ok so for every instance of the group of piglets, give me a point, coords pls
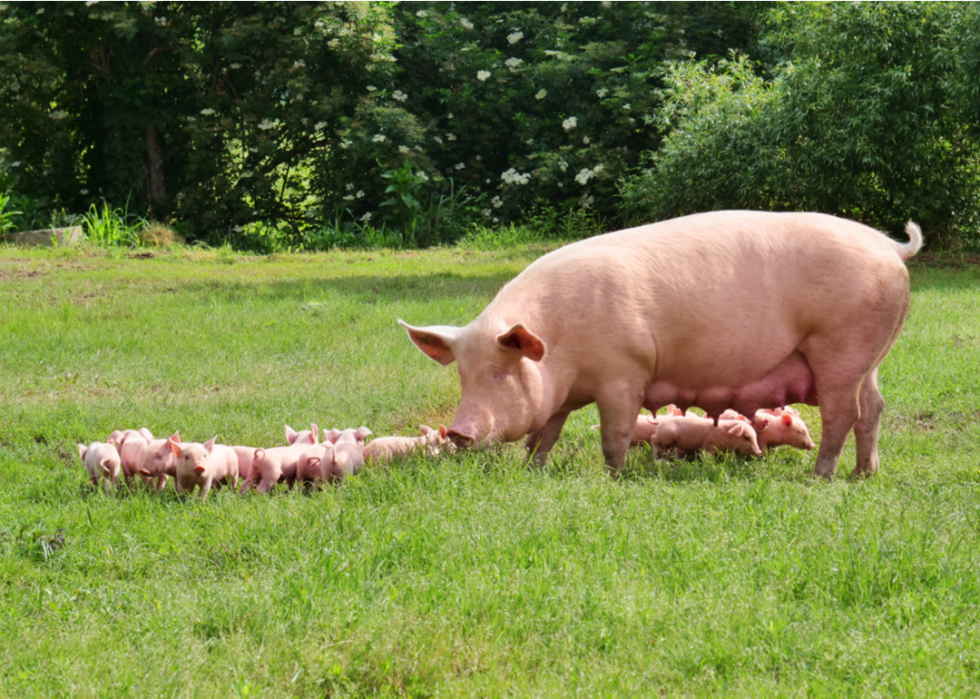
(132, 453)
(686, 433)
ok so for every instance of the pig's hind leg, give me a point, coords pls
(866, 429)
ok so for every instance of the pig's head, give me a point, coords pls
(192, 458)
(305, 437)
(502, 392)
(735, 435)
(797, 435)
(158, 456)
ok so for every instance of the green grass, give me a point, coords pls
(468, 575)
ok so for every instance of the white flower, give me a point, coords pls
(400, 96)
(482, 75)
(465, 23)
(247, 174)
(14, 86)
(421, 13)
(585, 140)
(626, 106)
(450, 137)
(318, 24)
(238, 229)
(569, 123)
(349, 197)
(512, 176)
(460, 166)
(333, 43)
(585, 174)
(371, 88)
(41, 11)
(161, 21)
(345, 144)
(360, 194)
(191, 119)
(562, 165)
(235, 66)
(497, 202)
(513, 62)
(299, 64)
(586, 201)
(515, 37)
(349, 187)
(297, 31)
(541, 94)
(267, 124)
(319, 125)
(437, 139)
(207, 112)
(422, 176)
(598, 168)
(404, 150)
(601, 92)
(378, 138)
(83, 192)
(485, 212)
(449, 116)
(253, 149)
(58, 115)
(366, 217)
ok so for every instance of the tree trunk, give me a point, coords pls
(155, 189)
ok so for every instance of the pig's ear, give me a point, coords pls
(521, 339)
(174, 447)
(82, 449)
(331, 436)
(737, 430)
(436, 340)
(290, 435)
(443, 432)
(144, 472)
(209, 445)
(425, 430)
(361, 433)
(786, 419)
(315, 430)
(175, 437)
(147, 434)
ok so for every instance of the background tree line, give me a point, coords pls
(344, 123)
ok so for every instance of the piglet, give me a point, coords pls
(385, 449)
(275, 465)
(693, 433)
(349, 436)
(646, 425)
(101, 460)
(305, 437)
(158, 462)
(246, 457)
(132, 446)
(203, 465)
(778, 427)
(316, 464)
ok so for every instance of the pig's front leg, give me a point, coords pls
(539, 443)
(204, 488)
(619, 406)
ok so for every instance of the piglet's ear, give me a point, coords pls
(737, 430)
(524, 341)
(174, 447)
(290, 435)
(209, 445)
(786, 419)
(315, 430)
(436, 341)
(82, 450)
(443, 432)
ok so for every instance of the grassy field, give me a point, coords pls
(465, 575)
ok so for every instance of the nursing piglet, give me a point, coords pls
(778, 427)
(692, 433)
(101, 460)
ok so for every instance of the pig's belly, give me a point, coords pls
(790, 382)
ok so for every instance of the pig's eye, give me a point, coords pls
(498, 374)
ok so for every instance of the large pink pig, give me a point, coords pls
(692, 433)
(203, 466)
(101, 460)
(789, 308)
(158, 462)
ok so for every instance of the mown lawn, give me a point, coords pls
(466, 575)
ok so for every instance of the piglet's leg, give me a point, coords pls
(539, 443)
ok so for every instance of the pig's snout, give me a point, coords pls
(460, 440)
